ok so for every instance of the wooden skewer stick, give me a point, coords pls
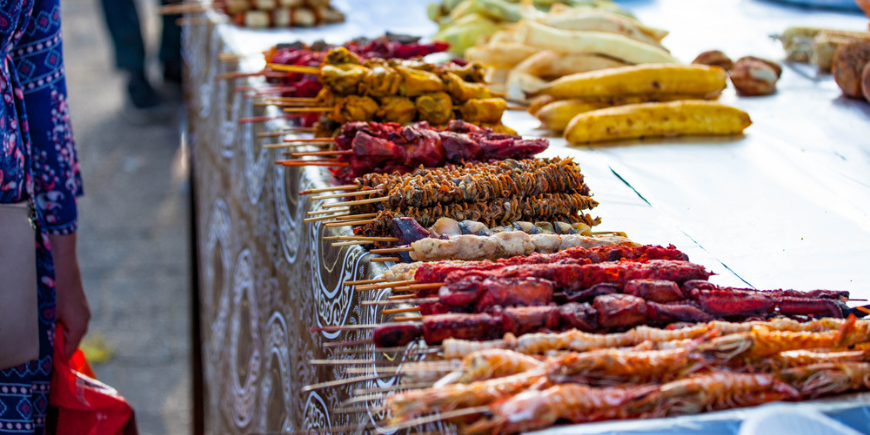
(311, 139)
(266, 118)
(330, 189)
(340, 382)
(349, 223)
(364, 281)
(363, 399)
(392, 250)
(431, 366)
(355, 410)
(426, 286)
(241, 75)
(297, 99)
(337, 328)
(402, 310)
(394, 371)
(376, 350)
(326, 153)
(270, 102)
(408, 319)
(402, 289)
(294, 68)
(438, 417)
(285, 132)
(401, 297)
(357, 202)
(333, 210)
(307, 109)
(353, 362)
(312, 163)
(317, 219)
(344, 344)
(351, 428)
(353, 243)
(359, 216)
(289, 145)
(369, 238)
(384, 259)
(384, 285)
(364, 391)
(260, 90)
(403, 301)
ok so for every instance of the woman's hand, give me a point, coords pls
(72, 310)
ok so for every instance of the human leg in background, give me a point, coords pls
(122, 19)
(170, 48)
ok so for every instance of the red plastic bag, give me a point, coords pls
(84, 405)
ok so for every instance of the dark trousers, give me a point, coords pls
(125, 30)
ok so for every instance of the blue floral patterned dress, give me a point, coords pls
(38, 160)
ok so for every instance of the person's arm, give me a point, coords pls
(72, 309)
(38, 57)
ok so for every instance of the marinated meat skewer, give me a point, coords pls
(422, 272)
(607, 312)
(371, 147)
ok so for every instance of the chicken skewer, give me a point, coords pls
(400, 91)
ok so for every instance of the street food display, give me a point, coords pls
(505, 309)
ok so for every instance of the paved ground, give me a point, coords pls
(133, 229)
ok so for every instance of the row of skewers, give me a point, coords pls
(493, 324)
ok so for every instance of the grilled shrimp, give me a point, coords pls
(800, 358)
(540, 409)
(495, 363)
(606, 366)
(829, 378)
(763, 342)
(417, 372)
(412, 403)
(709, 392)
(453, 348)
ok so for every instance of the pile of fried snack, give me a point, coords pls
(259, 14)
